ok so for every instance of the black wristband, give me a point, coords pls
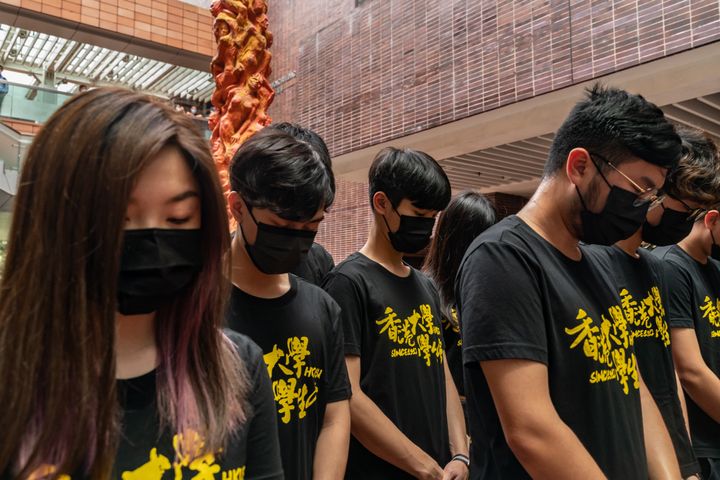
(461, 458)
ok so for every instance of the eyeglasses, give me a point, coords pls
(694, 213)
(653, 196)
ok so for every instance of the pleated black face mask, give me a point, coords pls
(618, 220)
(673, 227)
(278, 249)
(156, 265)
(412, 235)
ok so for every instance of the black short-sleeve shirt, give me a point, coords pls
(639, 282)
(393, 324)
(316, 265)
(301, 338)
(453, 349)
(694, 302)
(520, 298)
(253, 452)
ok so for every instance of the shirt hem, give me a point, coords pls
(504, 351)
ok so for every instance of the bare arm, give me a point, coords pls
(697, 379)
(456, 428)
(379, 434)
(662, 460)
(683, 404)
(331, 450)
(545, 446)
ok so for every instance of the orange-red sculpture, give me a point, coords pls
(241, 69)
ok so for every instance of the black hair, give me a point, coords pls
(406, 173)
(276, 171)
(615, 124)
(466, 216)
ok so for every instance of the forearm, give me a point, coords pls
(456, 419)
(378, 433)
(703, 386)
(683, 403)
(331, 450)
(662, 460)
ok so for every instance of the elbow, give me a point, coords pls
(524, 442)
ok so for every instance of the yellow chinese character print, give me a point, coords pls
(711, 311)
(306, 401)
(272, 358)
(298, 351)
(46, 471)
(620, 328)
(629, 306)
(661, 331)
(285, 394)
(585, 331)
(657, 301)
(389, 324)
(427, 317)
(205, 466)
(153, 469)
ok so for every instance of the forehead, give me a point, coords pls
(644, 173)
(168, 174)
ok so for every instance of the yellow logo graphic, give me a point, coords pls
(647, 316)
(607, 344)
(711, 311)
(417, 335)
(448, 325)
(294, 382)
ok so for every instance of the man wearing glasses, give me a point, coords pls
(552, 382)
(639, 280)
(693, 302)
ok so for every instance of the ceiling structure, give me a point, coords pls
(521, 163)
(81, 63)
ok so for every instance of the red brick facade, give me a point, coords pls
(388, 68)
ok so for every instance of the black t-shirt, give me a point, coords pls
(694, 302)
(253, 452)
(521, 298)
(639, 282)
(393, 324)
(301, 338)
(317, 264)
(453, 350)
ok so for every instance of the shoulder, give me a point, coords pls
(314, 296)
(248, 351)
(353, 269)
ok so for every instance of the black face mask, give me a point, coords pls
(618, 220)
(715, 249)
(412, 235)
(277, 249)
(673, 227)
(156, 265)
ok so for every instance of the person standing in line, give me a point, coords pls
(281, 188)
(693, 310)
(466, 216)
(407, 420)
(117, 367)
(553, 389)
(692, 186)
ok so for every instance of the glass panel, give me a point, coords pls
(29, 103)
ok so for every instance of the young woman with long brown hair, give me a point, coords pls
(113, 292)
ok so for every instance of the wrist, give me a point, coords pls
(461, 458)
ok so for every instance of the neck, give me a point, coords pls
(632, 244)
(547, 213)
(697, 245)
(379, 249)
(246, 276)
(135, 347)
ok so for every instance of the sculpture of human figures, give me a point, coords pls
(241, 68)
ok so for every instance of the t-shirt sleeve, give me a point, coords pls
(337, 376)
(347, 295)
(325, 264)
(679, 295)
(499, 306)
(263, 448)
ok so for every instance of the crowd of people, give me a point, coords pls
(577, 339)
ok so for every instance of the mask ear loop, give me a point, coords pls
(242, 230)
(385, 219)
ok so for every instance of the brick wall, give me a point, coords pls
(391, 67)
(166, 22)
(346, 227)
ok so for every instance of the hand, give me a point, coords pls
(455, 471)
(428, 469)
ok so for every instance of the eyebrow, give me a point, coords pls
(648, 182)
(318, 219)
(183, 196)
